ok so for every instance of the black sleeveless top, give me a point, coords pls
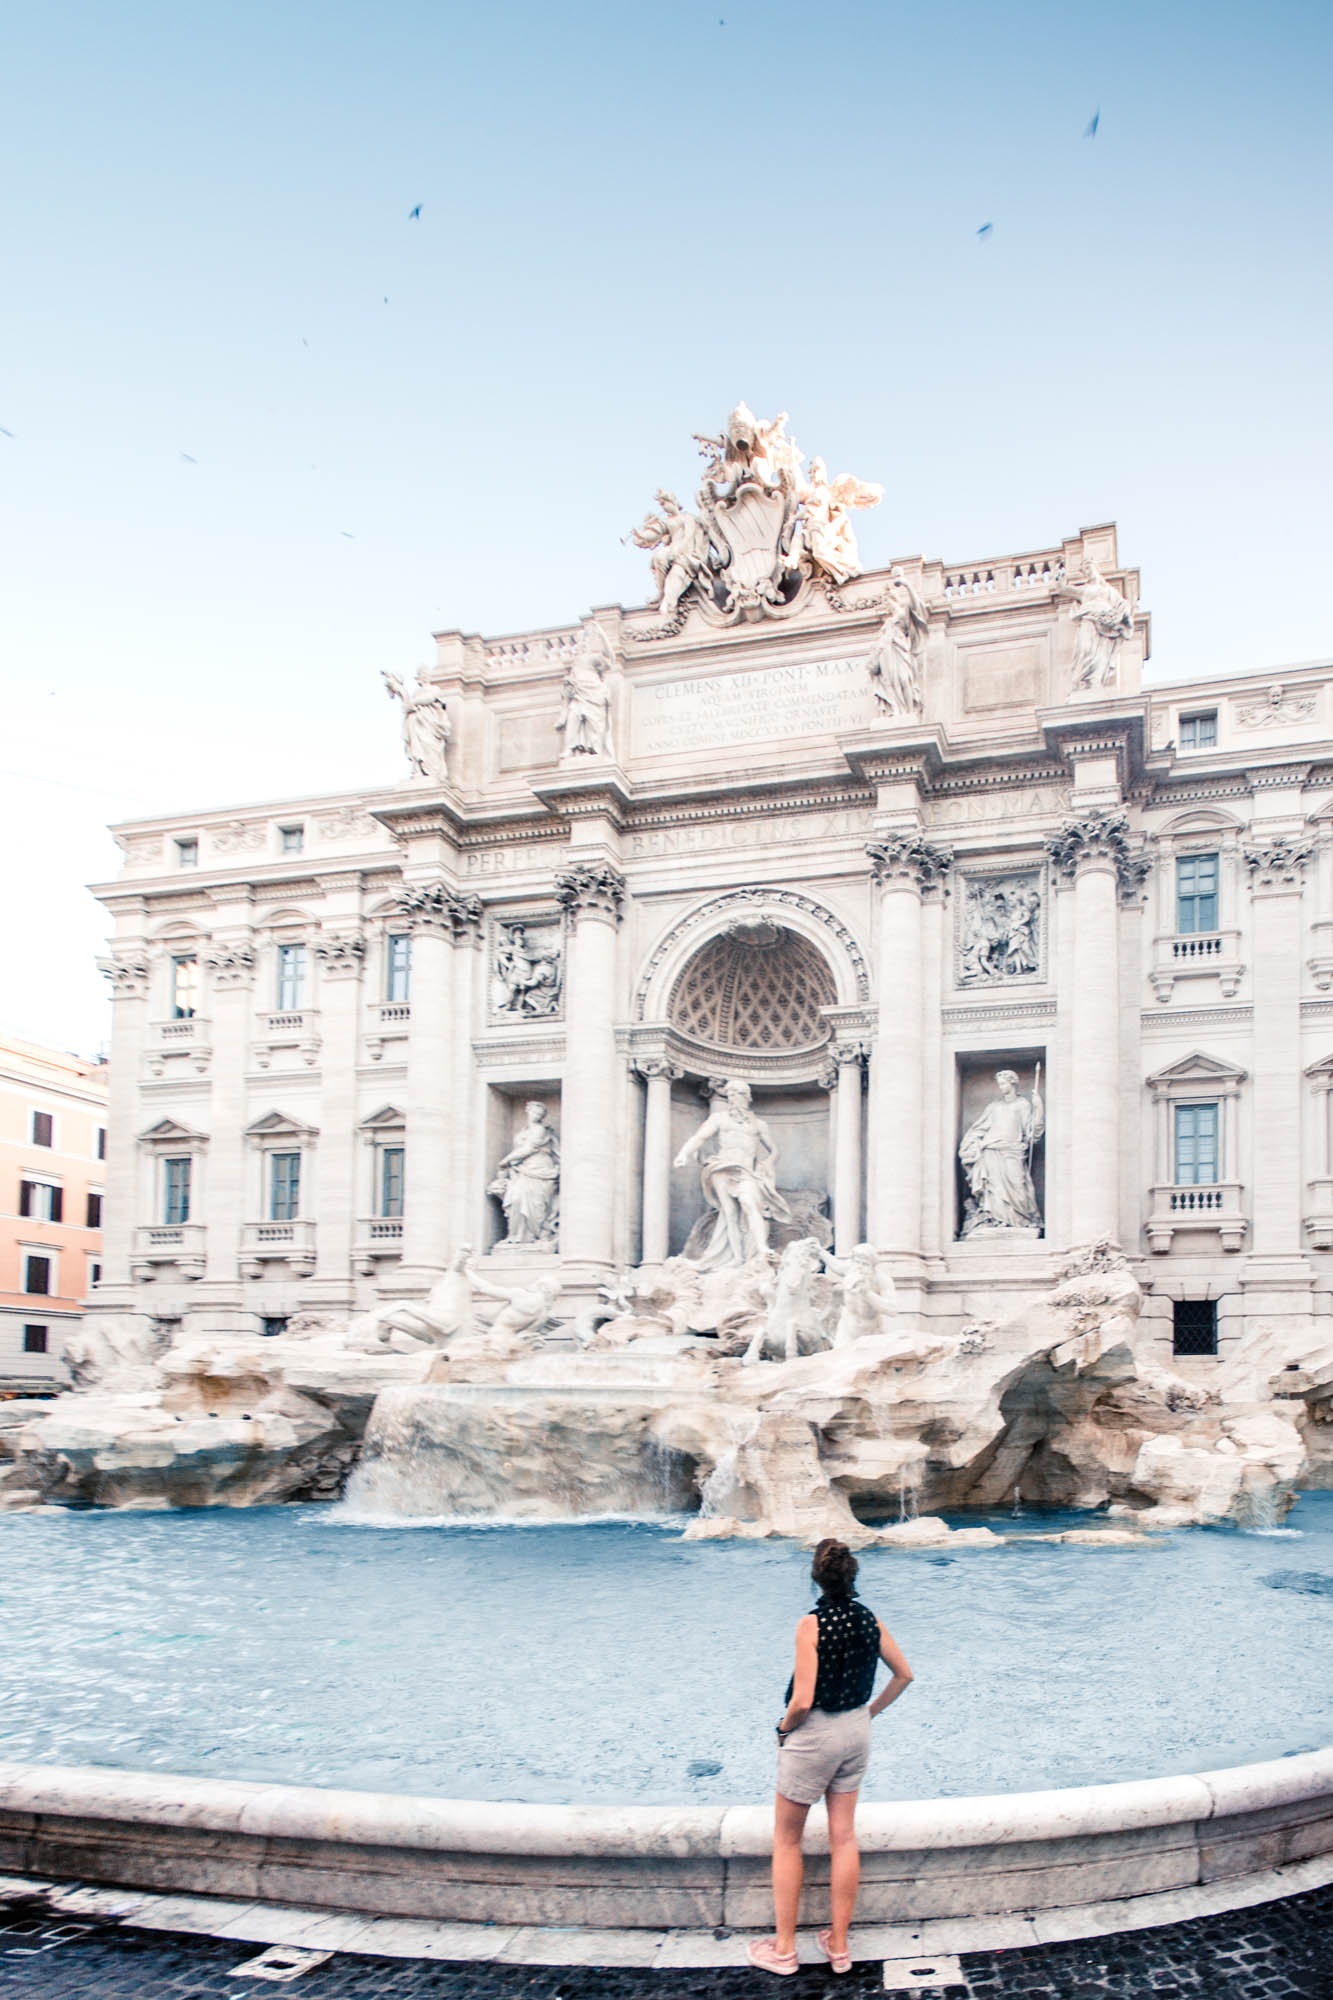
(848, 1655)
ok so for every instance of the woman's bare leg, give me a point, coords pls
(788, 1868)
(844, 1864)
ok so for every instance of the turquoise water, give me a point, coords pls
(599, 1663)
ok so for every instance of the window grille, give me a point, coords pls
(187, 853)
(1194, 1326)
(274, 1328)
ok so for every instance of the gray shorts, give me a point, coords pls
(828, 1753)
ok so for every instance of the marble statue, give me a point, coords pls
(585, 706)
(826, 526)
(895, 662)
(527, 1181)
(405, 1328)
(524, 1309)
(999, 935)
(868, 1301)
(679, 545)
(793, 1324)
(1104, 618)
(529, 972)
(737, 1179)
(996, 1155)
(426, 728)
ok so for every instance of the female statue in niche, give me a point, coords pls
(737, 1179)
(996, 1155)
(527, 1181)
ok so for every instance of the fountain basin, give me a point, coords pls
(629, 1867)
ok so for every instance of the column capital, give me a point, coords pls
(1097, 838)
(231, 964)
(843, 1053)
(1276, 863)
(340, 953)
(435, 908)
(903, 858)
(590, 888)
(650, 1067)
(128, 972)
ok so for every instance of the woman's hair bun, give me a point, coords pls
(834, 1568)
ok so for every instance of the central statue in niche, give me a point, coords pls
(738, 1179)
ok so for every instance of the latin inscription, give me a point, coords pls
(817, 698)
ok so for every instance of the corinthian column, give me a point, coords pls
(436, 917)
(1093, 850)
(1276, 867)
(591, 894)
(846, 1133)
(128, 971)
(340, 953)
(904, 867)
(659, 1076)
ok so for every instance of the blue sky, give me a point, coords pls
(269, 433)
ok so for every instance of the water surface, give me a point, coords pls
(599, 1662)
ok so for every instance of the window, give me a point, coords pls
(187, 853)
(1199, 732)
(1196, 1145)
(1196, 893)
(291, 978)
(34, 1340)
(37, 1275)
(291, 839)
(398, 960)
(175, 1191)
(273, 1328)
(93, 1217)
(184, 987)
(1194, 1326)
(284, 1187)
(94, 1274)
(391, 1180)
(41, 1200)
(43, 1128)
(101, 1142)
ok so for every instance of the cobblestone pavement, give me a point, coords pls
(1279, 1951)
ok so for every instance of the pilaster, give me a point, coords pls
(591, 892)
(1276, 1273)
(339, 949)
(230, 964)
(127, 968)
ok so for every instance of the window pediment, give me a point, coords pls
(168, 1132)
(1198, 1072)
(388, 1118)
(280, 1125)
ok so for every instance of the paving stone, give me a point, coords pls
(1282, 1951)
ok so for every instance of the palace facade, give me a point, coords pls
(863, 845)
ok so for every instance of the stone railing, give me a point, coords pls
(669, 1867)
(159, 1243)
(190, 1039)
(377, 1237)
(1210, 1205)
(266, 1242)
(1189, 955)
(296, 1028)
(533, 651)
(1004, 576)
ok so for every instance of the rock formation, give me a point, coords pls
(655, 1409)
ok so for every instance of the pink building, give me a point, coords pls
(52, 1163)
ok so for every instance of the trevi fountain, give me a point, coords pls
(743, 1086)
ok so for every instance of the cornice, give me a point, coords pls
(993, 1013)
(1193, 1020)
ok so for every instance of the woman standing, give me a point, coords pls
(823, 1750)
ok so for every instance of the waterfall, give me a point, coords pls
(1017, 1508)
(906, 1497)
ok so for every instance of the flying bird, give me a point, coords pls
(1096, 120)
(346, 537)
(5, 433)
(985, 229)
(188, 460)
(414, 214)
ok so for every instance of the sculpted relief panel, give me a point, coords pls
(1001, 929)
(527, 969)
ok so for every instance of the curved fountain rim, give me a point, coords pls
(392, 1819)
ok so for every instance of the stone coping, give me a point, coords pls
(649, 1867)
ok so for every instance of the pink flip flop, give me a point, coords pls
(839, 1961)
(764, 1953)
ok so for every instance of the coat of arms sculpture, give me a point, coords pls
(763, 532)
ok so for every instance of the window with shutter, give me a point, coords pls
(56, 1204)
(37, 1276)
(94, 1220)
(27, 1197)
